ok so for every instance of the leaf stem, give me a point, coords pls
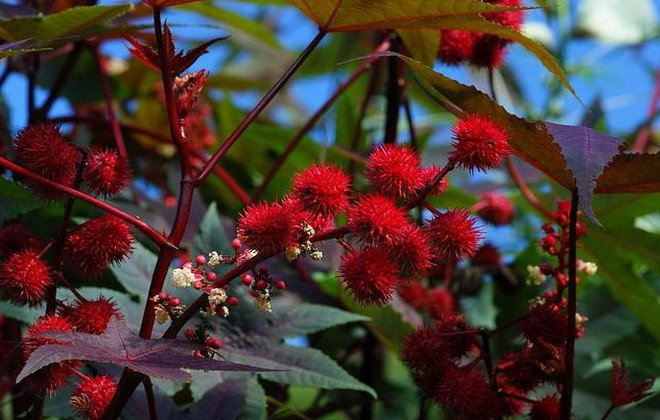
(394, 90)
(567, 384)
(311, 122)
(130, 219)
(529, 195)
(151, 401)
(259, 107)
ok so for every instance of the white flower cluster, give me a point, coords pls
(588, 268)
(534, 275)
(182, 277)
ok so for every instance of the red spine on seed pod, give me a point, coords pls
(496, 209)
(322, 189)
(454, 235)
(548, 408)
(479, 143)
(14, 236)
(375, 218)
(456, 46)
(267, 227)
(464, 392)
(92, 317)
(105, 172)
(394, 171)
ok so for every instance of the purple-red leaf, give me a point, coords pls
(586, 153)
(182, 61)
(159, 358)
(144, 53)
(623, 392)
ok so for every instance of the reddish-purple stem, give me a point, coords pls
(256, 111)
(145, 228)
(567, 383)
(297, 138)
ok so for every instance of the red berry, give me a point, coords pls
(267, 227)
(247, 279)
(322, 189)
(454, 235)
(190, 334)
(280, 284)
(25, 277)
(175, 301)
(40, 148)
(232, 301)
(200, 260)
(163, 295)
(375, 218)
(261, 284)
(198, 284)
(105, 172)
(96, 244)
(93, 395)
(92, 317)
(496, 209)
(394, 171)
(213, 343)
(479, 143)
(236, 244)
(211, 276)
(369, 274)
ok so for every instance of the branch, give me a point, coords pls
(61, 80)
(130, 219)
(567, 384)
(297, 138)
(261, 105)
(529, 195)
(394, 89)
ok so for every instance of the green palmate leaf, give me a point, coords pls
(212, 235)
(423, 44)
(16, 200)
(17, 47)
(135, 272)
(355, 15)
(533, 143)
(295, 366)
(60, 28)
(240, 397)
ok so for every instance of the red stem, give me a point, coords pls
(567, 384)
(297, 138)
(225, 177)
(529, 195)
(419, 198)
(132, 220)
(256, 111)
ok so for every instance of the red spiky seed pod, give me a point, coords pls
(96, 244)
(413, 293)
(424, 351)
(513, 18)
(267, 227)
(14, 236)
(464, 392)
(375, 218)
(479, 143)
(487, 255)
(105, 172)
(456, 46)
(93, 395)
(394, 171)
(548, 408)
(412, 252)
(439, 303)
(40, 148)
(454, 235)
(53, 376)
(488, 50)
(322, 189)
(92, 316)
(545, 324)
(429, 175)
(521, 369)
(25, 277)
(370, 275)
(496, 209)
(458, 345)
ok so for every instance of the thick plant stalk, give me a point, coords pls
(567, 383)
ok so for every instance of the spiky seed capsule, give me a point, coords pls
(464, 392)
(14, 236)
(454, 235)
(370, 275)
(25, 277)
(479, 143)
(394, 171)
(375, 218)
(40, 148)
(267, 227)
(496, 209)
(96, 244)
(429, 175)
(456, 46)
(105, 172)
(53, 376)
(92, 317)
(322, 189)
(93, 395)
